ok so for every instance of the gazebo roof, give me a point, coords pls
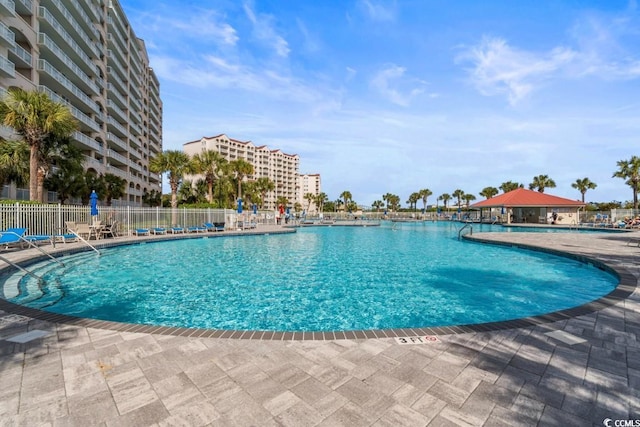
(522, 197)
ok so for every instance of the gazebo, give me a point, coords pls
(528, 206)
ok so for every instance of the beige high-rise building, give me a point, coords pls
(309, 184)
(280, 167)
(84, 53)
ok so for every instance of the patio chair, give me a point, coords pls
(176, 230)
(110, 230)
(158, 230)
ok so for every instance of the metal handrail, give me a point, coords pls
(84, 241)
(462, 229)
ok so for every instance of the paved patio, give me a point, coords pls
(586, 373)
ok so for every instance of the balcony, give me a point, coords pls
(23, 58)
(7, 68)
(114, 124)
(79, 115)
(118, 158)
(63, 81)
(46, 17)
(7, 8)
(90, 162)
(24, 7)
(112, 77)
(114, 140)
(115, 95)
(118, 172)
(79, 75)
(87, 142)
(7, 38)
(60, 36)
(84, 18)
(114, 110)
(72, 22)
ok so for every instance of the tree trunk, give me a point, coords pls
(33, 173)
(41, 175)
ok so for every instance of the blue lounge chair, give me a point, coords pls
(218, 226)
(38, 238)
(158, 230)
(12, 236)
(176, 230)
(141, 231)
(196, 229)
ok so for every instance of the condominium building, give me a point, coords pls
(309, 184)
(280, 167)
(84, 54)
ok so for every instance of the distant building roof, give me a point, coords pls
(522, 197)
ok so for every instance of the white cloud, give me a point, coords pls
(500, 69)
(265, 33)
(377, 11)
(387, 80)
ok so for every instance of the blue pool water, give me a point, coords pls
(329, 278)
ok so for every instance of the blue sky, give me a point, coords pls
(396, 96)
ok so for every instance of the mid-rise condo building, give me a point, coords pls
(84, 53)
(309, 184)
(280, 167)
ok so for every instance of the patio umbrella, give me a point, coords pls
(93, 202)
(239, 206)
(255, 209)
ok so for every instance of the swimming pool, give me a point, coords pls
(317, 279)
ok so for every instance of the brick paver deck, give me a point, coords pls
(81, 375)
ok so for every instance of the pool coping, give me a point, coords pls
(626, 286)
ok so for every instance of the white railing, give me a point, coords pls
(50, 219)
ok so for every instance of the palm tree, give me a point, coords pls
(413, 200)
(424, 194)
(630, 170)
(35, 117)
(14, 162)
(377, 204)
(320, 200)
(541, 182)
(240, 168)
(489, 192)
(582, 185)
(114, 187)
(510, 186)
(264, 185)
(346, 196)
(468, 198)
(210, 164)
(445, 197)
(458, 194)
(177, 164)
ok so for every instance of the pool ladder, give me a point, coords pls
(469, 226)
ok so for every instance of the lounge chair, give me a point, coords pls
(210, 226)
(38, 238)
(141, 232)
(12, 237)
(176, 230)
(158, 230)
(196, 229)
(65, 238)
